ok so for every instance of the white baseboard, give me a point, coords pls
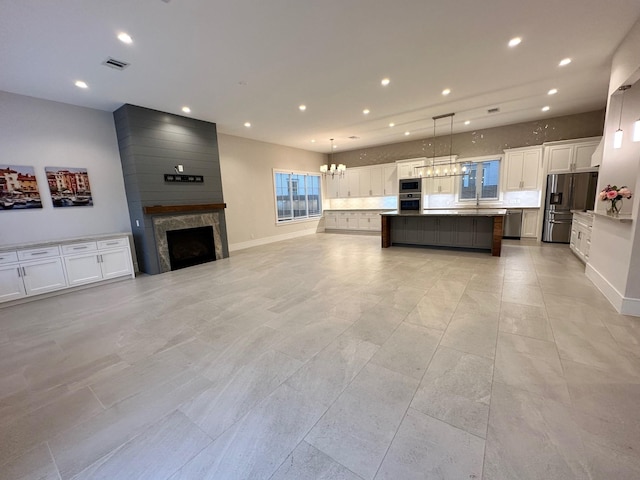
(234, 247)
(622, 304)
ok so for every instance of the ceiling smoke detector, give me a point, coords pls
(493, 110)
(117, 64)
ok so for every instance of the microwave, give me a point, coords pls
(410, 185)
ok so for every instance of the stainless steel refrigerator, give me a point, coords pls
(566, 192)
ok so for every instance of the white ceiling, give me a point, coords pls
(234, 61)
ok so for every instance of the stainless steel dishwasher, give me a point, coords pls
(512, 223)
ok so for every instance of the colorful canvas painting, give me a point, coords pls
(69, 187)
(18, 188)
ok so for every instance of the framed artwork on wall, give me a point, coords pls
(18, 188)
(69, 186)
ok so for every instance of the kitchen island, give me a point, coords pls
(470, 228)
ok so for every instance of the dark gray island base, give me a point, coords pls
(464, 228)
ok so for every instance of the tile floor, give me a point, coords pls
(327, 357)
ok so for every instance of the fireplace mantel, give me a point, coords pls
(159, 209)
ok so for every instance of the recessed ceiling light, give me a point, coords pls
(546, 108)
(385, 81)
(446, 91)
(407, 133)
(553, 91)
(186, 109)
(515, 41)
(313, 141)
(335, 146)
(467, 122)
(565, 61)
(392, 124)
(125, 38)
(81, 84)
(247, 124)
(302, 108)
(366, 111)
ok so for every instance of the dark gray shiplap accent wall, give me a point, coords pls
(151, 143)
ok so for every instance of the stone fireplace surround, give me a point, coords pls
(164, 223)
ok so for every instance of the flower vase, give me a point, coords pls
(614, 210)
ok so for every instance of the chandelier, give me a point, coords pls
(438, 167)
(331, 168)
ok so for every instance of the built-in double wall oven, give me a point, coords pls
(410, 195)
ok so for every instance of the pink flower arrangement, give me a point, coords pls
(614, 195)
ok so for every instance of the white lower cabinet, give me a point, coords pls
(580, 242)
(530, 223)
(353, 220)
(11, 284)
(35, 271)
(31, 278)
(115, 263)
(83, 269)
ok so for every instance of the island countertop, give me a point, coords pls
(471, 228)
(459, 212)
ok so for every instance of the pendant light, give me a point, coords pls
(331, 168)
(617, 137)
(444, 169)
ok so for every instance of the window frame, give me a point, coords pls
(479, 186)
(293, 219)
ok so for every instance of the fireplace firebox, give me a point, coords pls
(190, 246)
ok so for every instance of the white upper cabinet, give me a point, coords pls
(333, 186)
(350, 184)
(522, 168)
(371, 181)
(436, 185)
(408, 168)
(570, 156)
(390, 176)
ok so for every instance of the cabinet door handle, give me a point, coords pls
(24, 272)
(112, 243)
(19, 274)
(80, 248)
(38, 253)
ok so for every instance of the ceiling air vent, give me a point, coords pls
(493, 110)
(117, 64)
(353, 137)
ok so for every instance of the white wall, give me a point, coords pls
(614, 258)
(41, 133)
(247, 183)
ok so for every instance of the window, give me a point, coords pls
(480, 181)
(297, 196)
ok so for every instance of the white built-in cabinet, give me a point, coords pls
(100, 260)
(33, 271)
(439, 185)
(530, 219)
(30, 272)
(350, 184)
(580, 241)
(363, 220)
(358, 182)
(390, 177)
(522, 167)
(570, 155)
(409, 168)
(372, 181)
